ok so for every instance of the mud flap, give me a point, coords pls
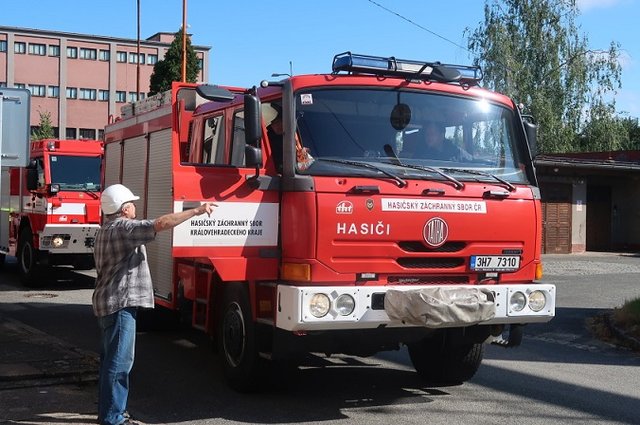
(439, 307)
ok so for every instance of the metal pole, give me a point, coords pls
(184, 41)
(138, 55)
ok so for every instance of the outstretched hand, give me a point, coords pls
(206, 207)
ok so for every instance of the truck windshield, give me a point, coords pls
(409, 134)
(75, 173)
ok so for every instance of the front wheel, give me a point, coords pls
(237, 340)
(437, 360)
(28, 267)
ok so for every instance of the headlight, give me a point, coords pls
(537, 300)
(57, 241)
(345, 304)
(319, 305)
(518, 301)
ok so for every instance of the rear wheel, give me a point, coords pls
(437, 360)
(237, 346)
(28, 267)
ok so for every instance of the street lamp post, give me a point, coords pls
(184, 41)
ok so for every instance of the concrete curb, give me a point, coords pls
(29, 357)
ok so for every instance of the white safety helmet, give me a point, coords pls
(114, 196)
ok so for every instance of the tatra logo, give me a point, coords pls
(369, 204)
(435, 232)
(344, 207)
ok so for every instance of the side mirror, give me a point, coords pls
(253, 158)
(531, 131)
(54, 188)
(252, 120)
(32, 178)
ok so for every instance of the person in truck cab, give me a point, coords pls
(275, 132)
(123, 284)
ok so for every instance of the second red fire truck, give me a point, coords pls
(54, 207)
(338, 229)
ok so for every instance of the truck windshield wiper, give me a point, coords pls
(482, 173)
(396, 161)
(400, 182)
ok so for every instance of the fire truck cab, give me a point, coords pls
(342, 229)
(54, 207)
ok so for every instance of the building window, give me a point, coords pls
(133, 57)
(3, 84)
(103, 95)
(100, 134)
(72, 52)
(20, 47)
(142, 59)
(121, 96)
(70, 133)
(37, 49)
(3, 45)
(87, 133)
(54, 50)
(133, 97)
(88, 94)
(121, 56)
(19, 86)
(89, 54)
(200, 64)
(152, 59)
(72, 93)
(53, 91)
(104, 55)
(37, 90)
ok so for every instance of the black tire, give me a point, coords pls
(2, 258)
(28, 267)
(437, 361)
(239, 357)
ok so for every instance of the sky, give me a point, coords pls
(251, 39)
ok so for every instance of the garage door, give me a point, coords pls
(556, 218)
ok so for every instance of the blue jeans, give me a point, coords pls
(116, 360)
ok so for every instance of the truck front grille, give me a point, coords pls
(430, 263)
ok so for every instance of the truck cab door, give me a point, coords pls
(244, 225)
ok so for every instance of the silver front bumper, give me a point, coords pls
(293, 313)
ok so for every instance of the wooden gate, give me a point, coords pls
(556, 218)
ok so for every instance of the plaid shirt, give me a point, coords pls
(124, 279)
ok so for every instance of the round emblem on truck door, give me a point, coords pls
(435, 232)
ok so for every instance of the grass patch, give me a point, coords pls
(627, 317)
(620, 327)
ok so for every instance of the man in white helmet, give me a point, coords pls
(123, 285)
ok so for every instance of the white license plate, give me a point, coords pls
(495, 263)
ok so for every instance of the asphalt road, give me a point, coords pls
(559, 374)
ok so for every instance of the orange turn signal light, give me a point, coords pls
(296, 271)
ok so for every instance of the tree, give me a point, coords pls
(533, 51)
(169, 69)
(45, 128)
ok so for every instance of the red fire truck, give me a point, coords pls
(342, 233)
(54, 207)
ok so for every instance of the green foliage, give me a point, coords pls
(533, 51)
(169, 69)
(45, 127)
(604, 131)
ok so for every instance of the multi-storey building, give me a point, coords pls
(81, 80)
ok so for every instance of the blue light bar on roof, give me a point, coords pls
(434, 71)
